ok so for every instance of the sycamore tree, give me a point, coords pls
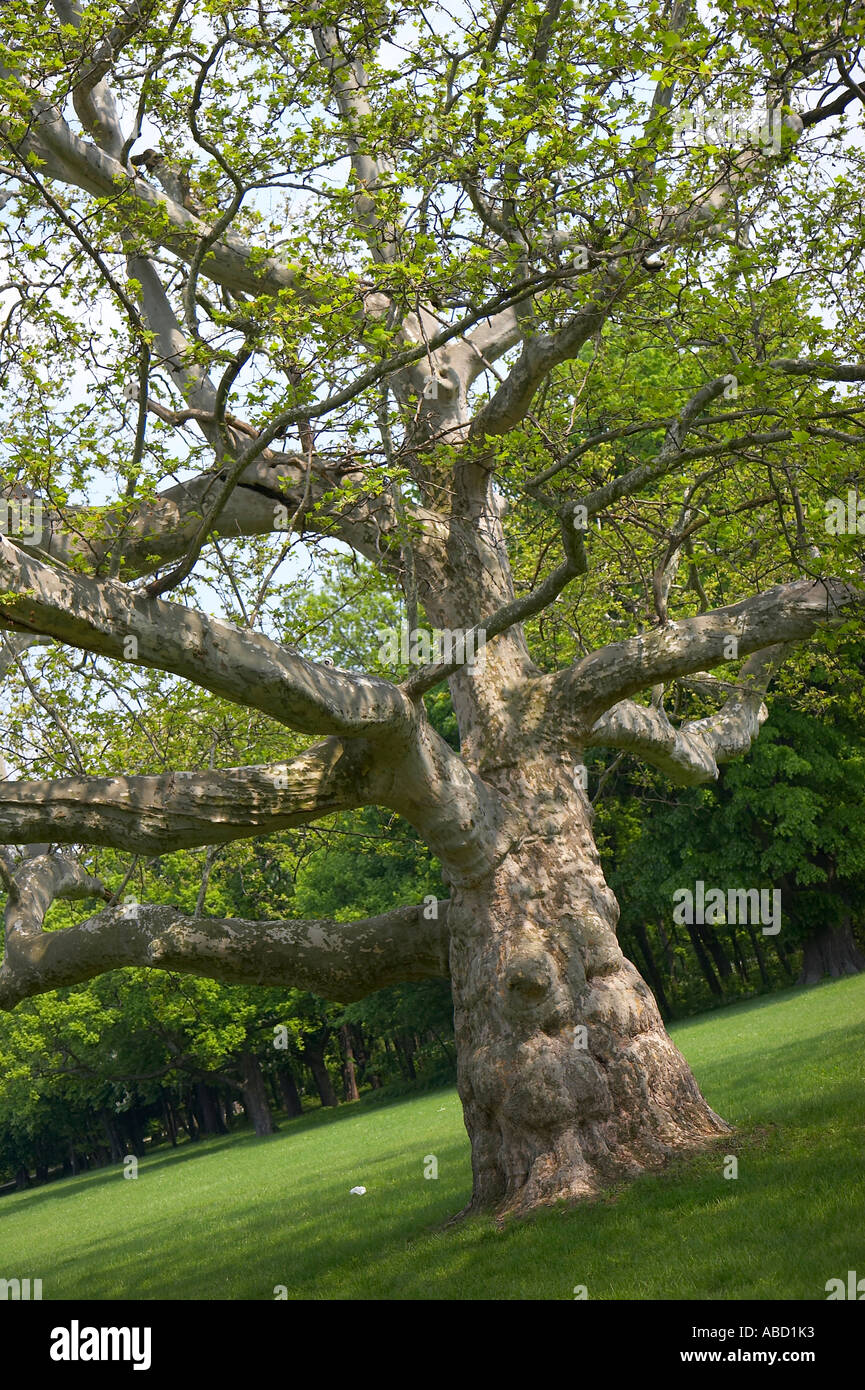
(549, 312)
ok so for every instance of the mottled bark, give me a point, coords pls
(340, 960)
(103, 616)
(567, 1076)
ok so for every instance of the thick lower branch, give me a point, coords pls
(244, 667)
(692, 753)
(342, 961)
(788, 613)
(273, 491)
(32, 890)
(183, 810)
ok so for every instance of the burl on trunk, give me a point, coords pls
(568, 1078)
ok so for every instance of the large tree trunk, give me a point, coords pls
(349, 1078)
(313, 1055)
(210, 1118)
(113, 1136)
(254, 1093)
(568, 1079)
(288, 1091)
(831, 951)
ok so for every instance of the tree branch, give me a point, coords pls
(144, 536)
(541, 353)
(691, 754)
(183, 810)
(787, 613)
(348, 81)
(34, 887)
(230, 262)
(339, 960)
(824, 371)
(490, 340)
(91, 96)
(247, 668)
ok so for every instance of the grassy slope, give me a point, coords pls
(233, 1217)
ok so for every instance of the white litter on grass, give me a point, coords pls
(358, 1191)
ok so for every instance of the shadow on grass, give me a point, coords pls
(326, 1117)
(789, 1065)
(722, 1012)
(757, 1221)
(295, 1244)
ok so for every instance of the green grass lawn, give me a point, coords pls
(232, 1218)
